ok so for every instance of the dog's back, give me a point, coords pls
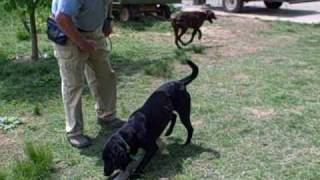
(190, 19)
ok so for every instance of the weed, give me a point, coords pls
(37, 165)
(198, 49)
(160, 68)
(182, 55)
(3, 175)
(36, 110)
(22, 35)
(7, 124)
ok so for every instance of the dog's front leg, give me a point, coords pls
(192, 36)
(176, 35)
(150, 152)
(183, 31)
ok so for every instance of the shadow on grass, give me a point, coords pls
(162, 165)
(29, 82)
(144, 23)
(173, 163)
(124, 67)
(97, 144)
(38, 82)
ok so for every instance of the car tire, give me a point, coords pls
(125, 13)
(164, 12)
(232, 5)
(272, 5)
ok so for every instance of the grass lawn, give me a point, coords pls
(255, 104)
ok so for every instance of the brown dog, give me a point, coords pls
(190, 19)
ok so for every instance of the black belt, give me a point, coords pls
(81, 30)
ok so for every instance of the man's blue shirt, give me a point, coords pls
(87, 15)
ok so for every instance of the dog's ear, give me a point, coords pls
(108, 159)
(122, 157)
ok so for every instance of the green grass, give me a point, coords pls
(37, 164)
(255, 117)
(3, 175)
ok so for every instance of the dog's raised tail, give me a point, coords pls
(193, 75)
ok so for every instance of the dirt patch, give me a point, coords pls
(197, 123)
(227, 37)
(259, 112)
(241, 77)
(10, 147)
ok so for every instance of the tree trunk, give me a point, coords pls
(34, 38)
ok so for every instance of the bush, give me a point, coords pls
(3, 175)
(22, 35)
(181, 55)
(159, 68)
(198, 49)
(36, 166)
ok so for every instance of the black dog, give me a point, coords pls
(190, 19)
(147, 123)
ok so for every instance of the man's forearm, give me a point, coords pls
(66, 24)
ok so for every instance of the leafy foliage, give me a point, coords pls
(37, 165)
(24, 5)
(26, 9)
(9, 123)
(3, 174)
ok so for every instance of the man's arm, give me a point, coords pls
(107, 27)
(66, 24)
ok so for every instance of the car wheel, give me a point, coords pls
(164, 12)
(125, 14)
(232, 5)
(272, 5)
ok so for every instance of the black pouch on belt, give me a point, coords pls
(54, 33)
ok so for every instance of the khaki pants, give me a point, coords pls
(75, 66)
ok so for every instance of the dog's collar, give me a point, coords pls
(124, 142)
(134, 157)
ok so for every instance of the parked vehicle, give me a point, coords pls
(236, 5)
(127, 9)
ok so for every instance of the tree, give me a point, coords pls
(27, 8)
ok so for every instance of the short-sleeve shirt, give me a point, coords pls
(87, 15)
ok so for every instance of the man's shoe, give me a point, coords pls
(114, 123)
(79, 141)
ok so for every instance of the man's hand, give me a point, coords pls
(88, 45)
(107, 31)
(66, 24)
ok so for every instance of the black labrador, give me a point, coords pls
(190, 19)
(147, 123)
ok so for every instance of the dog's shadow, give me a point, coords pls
(168, 162)
(171, 160)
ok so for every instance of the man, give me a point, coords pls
(85, 56)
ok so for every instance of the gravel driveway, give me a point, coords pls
(301, 13)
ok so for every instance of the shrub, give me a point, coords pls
(3, 175)
(22, 35)
(181, 55)
(198, 49)
(36, 166)
(159, 68)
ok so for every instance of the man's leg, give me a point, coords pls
(102, 82)
(71, 64)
